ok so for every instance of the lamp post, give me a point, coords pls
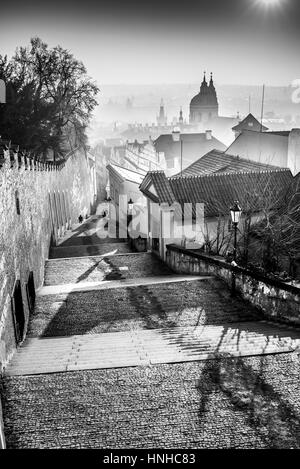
(235, 212)
(108, 201)
(129, 216)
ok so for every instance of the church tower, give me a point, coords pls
(204, 106)
(180, 121)
(162, 118)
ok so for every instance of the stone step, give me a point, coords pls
(89, 250)
(65, 289)
(138, 304)
(158, 344)
(102, 268)
(146, 347)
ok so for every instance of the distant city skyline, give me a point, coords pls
(240, 41)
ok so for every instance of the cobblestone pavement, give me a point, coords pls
(229, 403)
(150, 306)
(96, 269)
(92, 231)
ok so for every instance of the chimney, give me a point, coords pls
(293, 161)
(176, 134)
(208, 134)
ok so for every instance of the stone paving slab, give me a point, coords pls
(62, 252)
(149, 347)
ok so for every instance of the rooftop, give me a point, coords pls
(127, 174)
(270, 147)
(218, 191)
(194, 145)
(249, 123)
(220, 162)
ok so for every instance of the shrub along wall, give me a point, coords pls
(38, 202)
(274, 298)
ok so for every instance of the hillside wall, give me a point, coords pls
(38, 203)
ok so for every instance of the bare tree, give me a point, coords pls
(269, 230)
(273, 232)
(50, 98)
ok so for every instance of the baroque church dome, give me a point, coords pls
(204, 106)
(207, 96)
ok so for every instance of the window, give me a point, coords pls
(17, 202)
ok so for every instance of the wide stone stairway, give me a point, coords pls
(103, 307)
(123, 309)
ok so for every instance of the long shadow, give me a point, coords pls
(78, 231)
(111, 268)
(110, 272)
(272, 418)
(146, 302)
(142, 306)
(89, 271)
(82, 236)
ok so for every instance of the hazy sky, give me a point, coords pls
(241, 41)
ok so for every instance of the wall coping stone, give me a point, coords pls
(17, 158)
(221, 262)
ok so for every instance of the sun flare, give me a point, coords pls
(269, 3)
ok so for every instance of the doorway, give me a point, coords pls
(18, 311)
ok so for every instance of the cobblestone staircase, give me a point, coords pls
(122, 353)
(92, 303)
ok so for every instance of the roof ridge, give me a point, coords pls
(127, 169)
(156, 171)
(277, 170)
(241, 158)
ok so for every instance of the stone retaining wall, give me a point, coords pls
(38, 202)
(275, 299)
(2, 436)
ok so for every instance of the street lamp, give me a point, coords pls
(235, 212)
(130, 206)
(129, 218)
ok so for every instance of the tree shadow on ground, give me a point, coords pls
(108, 269)
(273, 419)
(144, 306)
(90, 232)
